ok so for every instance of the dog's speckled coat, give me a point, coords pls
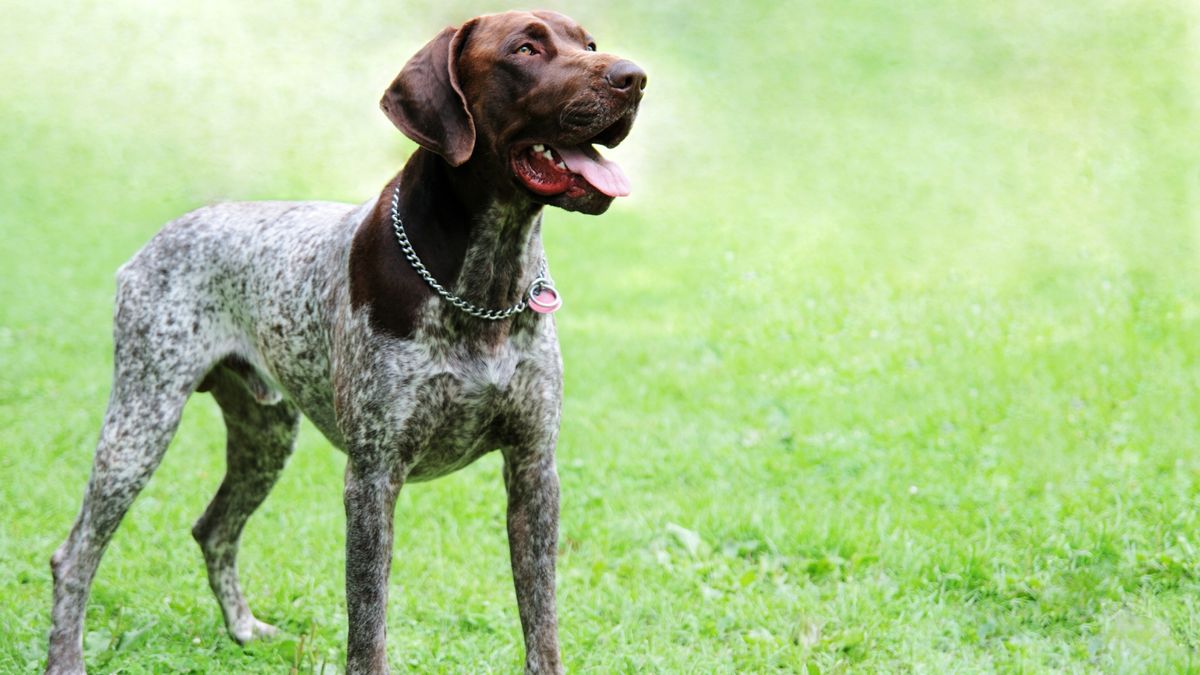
(282, 309)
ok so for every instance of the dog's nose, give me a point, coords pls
(626, 76)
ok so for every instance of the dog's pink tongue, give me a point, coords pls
(604, 175)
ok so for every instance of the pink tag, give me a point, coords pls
(545, 302)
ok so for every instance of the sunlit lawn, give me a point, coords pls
(889, 364)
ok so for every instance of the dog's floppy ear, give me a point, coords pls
(426, 102)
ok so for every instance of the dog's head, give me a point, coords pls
(524, 95)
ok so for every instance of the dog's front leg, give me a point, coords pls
(532, 483)
(370, 497)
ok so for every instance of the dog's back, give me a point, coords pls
(254, 283)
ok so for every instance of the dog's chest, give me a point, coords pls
(459, 409)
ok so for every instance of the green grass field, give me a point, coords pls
(890, 363)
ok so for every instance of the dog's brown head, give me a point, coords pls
(523, 95)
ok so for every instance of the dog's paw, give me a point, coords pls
(65, 666)
(252, 629)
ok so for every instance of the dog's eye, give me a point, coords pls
(526, 49)
(591, 46)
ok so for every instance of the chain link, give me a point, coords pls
(541, 282)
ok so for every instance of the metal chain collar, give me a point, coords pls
(542, 282)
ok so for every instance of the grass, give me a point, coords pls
(889, 364)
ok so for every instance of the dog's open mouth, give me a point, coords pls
(548, 170)
(573, 167)
(570, 166)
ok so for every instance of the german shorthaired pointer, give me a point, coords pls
(399, 327)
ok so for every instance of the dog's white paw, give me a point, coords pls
(252, 629)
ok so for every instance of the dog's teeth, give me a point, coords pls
(561, 166)
(539, 147)
(547, 155)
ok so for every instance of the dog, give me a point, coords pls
(414, 331)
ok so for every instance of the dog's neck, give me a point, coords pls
(481, 241)
(503, 233)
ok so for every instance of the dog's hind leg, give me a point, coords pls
(143, 412)
(260, 437)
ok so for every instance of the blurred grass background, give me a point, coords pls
(889, 363)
